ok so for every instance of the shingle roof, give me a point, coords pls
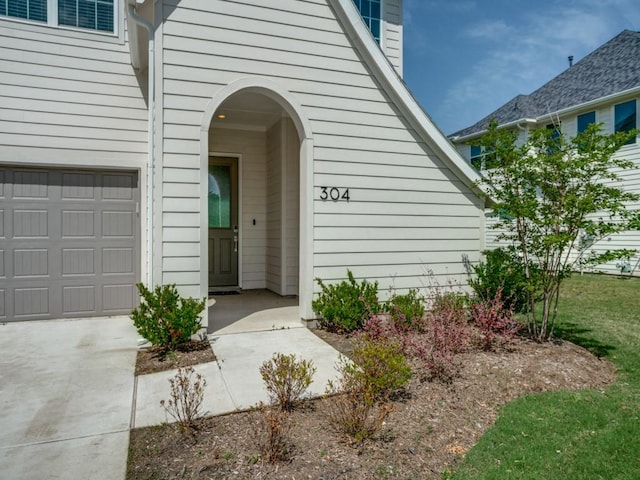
(610, 69)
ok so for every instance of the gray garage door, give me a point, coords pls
(68, 243)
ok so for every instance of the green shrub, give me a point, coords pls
(406, 309)
(345, 306)
(380, 366)
(503, 270)
(165, 318)
(286, 378)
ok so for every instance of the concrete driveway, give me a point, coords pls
(66, 392)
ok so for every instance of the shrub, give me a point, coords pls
(406, 309)
(346, 305)
(271, 433)
(186, 399)
(502, 270)
(165, 318)
(286, 378)
(352, 408)
(495, 320)
(380, 366)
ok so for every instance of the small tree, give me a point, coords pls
(550, 192)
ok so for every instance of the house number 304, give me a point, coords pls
(334, 194)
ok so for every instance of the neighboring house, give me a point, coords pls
(602, 87)
(249, 145)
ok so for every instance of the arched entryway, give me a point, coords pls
(255, 192)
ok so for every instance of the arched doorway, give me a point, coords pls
(256, 178)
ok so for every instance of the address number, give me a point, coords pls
(334, 194)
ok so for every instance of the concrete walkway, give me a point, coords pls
(68, 395)
(233, 381)
(66, 389)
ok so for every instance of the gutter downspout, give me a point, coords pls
(150, 139)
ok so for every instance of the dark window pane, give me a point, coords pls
(27, 9)
(17, 8)
(375, 29)
(67, 13)
(585, 120)
(86, 14)
(105, 16)
(375, 10)
(92, 14)
(625, 117)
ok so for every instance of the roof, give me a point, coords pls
(612, 68)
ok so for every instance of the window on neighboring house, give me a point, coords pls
(625, 118)
(476, 157)
(90, 14)
(585, 120)
(371, 13)
(556, 132)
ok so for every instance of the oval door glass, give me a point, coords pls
(219, 197)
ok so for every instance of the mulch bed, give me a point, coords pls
(154, 359)
(429, 432)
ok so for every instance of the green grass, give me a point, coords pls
(575, 435)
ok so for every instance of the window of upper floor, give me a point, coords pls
(625, 118)
(585, 120)
(371, 11)
(97, 15)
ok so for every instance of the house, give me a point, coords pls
(602, 87)
(216, 144)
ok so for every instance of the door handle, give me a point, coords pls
(235, 244)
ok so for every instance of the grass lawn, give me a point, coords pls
(575, 435)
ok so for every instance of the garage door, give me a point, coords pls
(69, 243)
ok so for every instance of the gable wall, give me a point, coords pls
(407, 210)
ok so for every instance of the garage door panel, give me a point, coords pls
(30, 184)
(70, 245)
(78, 185)
(117, 224)
(79, 300)
(30, 223)
(30, 262)
(31, 302)
(114, 297)
(118, 260)
(78, 223)
(78, 261)
(117, 187)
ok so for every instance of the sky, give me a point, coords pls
(465, 58)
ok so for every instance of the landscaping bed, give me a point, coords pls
(155, 359)
(430, 429)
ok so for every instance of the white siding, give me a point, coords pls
(361, 142)
(274, 207)
(68, 97)
(392, 33)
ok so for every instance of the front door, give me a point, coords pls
(223, 222)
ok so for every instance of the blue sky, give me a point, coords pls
(465, 58)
